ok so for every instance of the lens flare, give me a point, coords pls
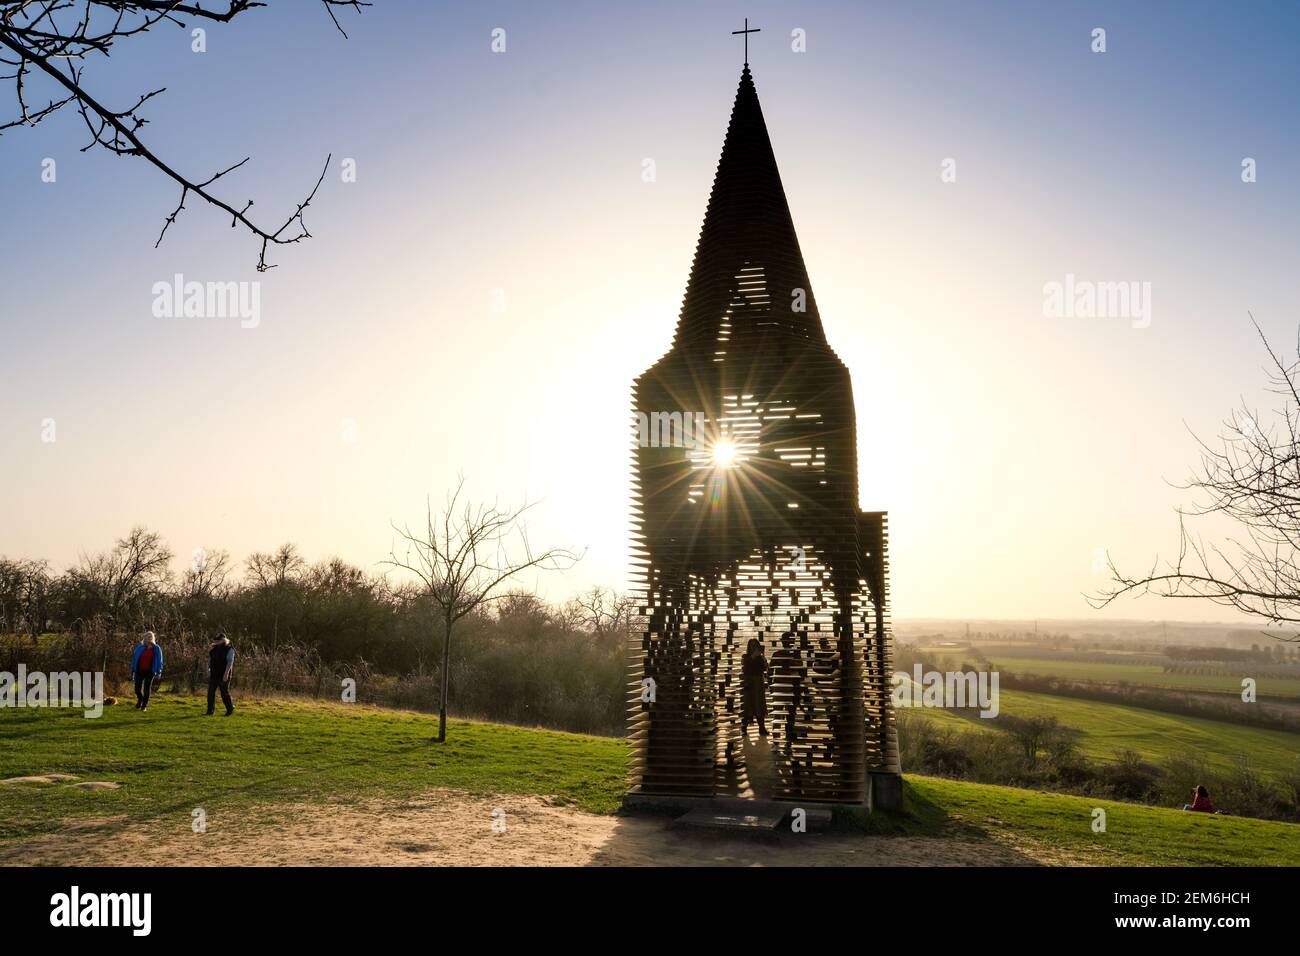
(724, 452)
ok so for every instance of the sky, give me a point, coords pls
(481, 297)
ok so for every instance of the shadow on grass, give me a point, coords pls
(921, 832)
(919, 816)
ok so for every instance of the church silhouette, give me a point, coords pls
(747, 526)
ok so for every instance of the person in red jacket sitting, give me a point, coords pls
(1200, 800)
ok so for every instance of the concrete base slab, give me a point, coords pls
(886, 791)
(761, 820)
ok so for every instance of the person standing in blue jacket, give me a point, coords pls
(146, 667)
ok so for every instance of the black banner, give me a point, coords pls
(337, 905)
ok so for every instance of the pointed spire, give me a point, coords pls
(748, 276)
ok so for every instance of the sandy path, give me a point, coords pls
(448, 828)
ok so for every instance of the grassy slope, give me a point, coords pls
(273, 752)
(173, 759)
(1110, 728)
(1135, 835)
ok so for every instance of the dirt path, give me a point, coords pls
(448, 828)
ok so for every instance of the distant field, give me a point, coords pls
(1022, 660)
(1152, 675)
(1110, 728)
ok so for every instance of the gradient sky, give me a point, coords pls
(1007, 447)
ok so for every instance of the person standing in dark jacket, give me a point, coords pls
(753, 683)
(787, 672)
(221, 661)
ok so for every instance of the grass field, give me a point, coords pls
(281, 752)
(1135, 835)
(1151, 675)
(173, 759)
(1110, 728)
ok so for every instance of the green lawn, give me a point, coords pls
(172, 759)
(273, 753)
(1151, 675)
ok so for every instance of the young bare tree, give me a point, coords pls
(461, 557)
(49, 44)
(1251, 475)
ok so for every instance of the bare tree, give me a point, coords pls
(273, 574)
(12, 580)
(123, 579)
(24, 596)
(56, 39)
(1252, 476)
(1036, 734)
(278, 569)
(461, 558)
(601, 611)
(206, 576)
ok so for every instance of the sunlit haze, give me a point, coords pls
(481, 298)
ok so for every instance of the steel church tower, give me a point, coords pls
(746, 524)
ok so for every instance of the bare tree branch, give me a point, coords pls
(53, 39)
(1252, 476)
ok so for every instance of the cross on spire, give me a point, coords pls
(747, 31)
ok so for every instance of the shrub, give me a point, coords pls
(1129, 777)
